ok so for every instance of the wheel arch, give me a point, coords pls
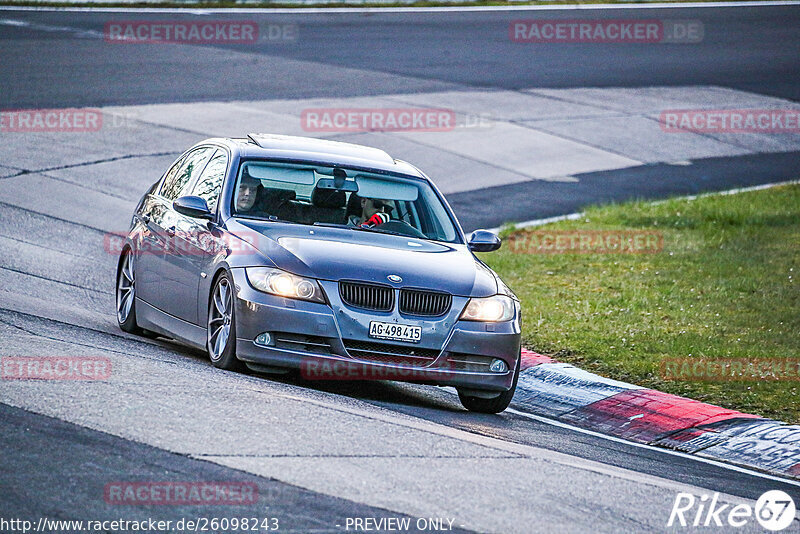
(209, 293)
(126, 249)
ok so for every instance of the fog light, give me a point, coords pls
(263, 339)
(498, 366)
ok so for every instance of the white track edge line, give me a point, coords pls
(437, 9)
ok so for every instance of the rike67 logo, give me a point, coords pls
(774, 511)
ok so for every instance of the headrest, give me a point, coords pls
(269, 197)
(354, 205)
(328, 198)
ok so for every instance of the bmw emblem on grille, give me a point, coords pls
(394, 278)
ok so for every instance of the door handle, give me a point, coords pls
(171, 231)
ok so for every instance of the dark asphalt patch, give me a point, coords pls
(536, 199)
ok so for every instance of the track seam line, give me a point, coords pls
(81, 327)
(80, 344)
(90, 163)
(40, 277)
(85, 187)
(37, 245)
(55, 218)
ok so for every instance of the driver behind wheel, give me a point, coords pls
(373, 212)
(247, 194)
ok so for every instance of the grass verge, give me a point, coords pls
(725, 285)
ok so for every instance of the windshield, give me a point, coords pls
(313, 195)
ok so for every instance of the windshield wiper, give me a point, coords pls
(270, 218)
(388, 232)
(345, 227)
(333, 225)
(375, 229)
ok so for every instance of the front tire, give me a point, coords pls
(495, 404)
(221, 331)
(126, 294)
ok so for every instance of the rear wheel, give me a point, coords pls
(494, 404)
(221, 340)
(126, 294)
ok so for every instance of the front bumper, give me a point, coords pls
(331, 342)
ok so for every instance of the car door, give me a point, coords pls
(206, 242)
(172, 287)
(152, 241)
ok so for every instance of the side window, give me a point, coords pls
(177, 184)
(170, 176)
(210, 182)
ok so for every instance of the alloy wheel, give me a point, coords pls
(125, 289)
(219, 319)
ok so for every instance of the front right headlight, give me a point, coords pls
(283, 284)
(489, 309)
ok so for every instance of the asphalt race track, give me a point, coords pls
(373, 53)
(541, 130)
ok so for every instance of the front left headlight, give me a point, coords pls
(283, 284)
(489, 309)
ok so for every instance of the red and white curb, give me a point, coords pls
(586, 400)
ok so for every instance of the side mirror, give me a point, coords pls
(193, 206)
(483, 241)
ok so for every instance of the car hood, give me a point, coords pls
(347, 254)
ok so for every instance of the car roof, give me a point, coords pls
(324, 151)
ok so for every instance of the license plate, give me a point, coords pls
(395, 332)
